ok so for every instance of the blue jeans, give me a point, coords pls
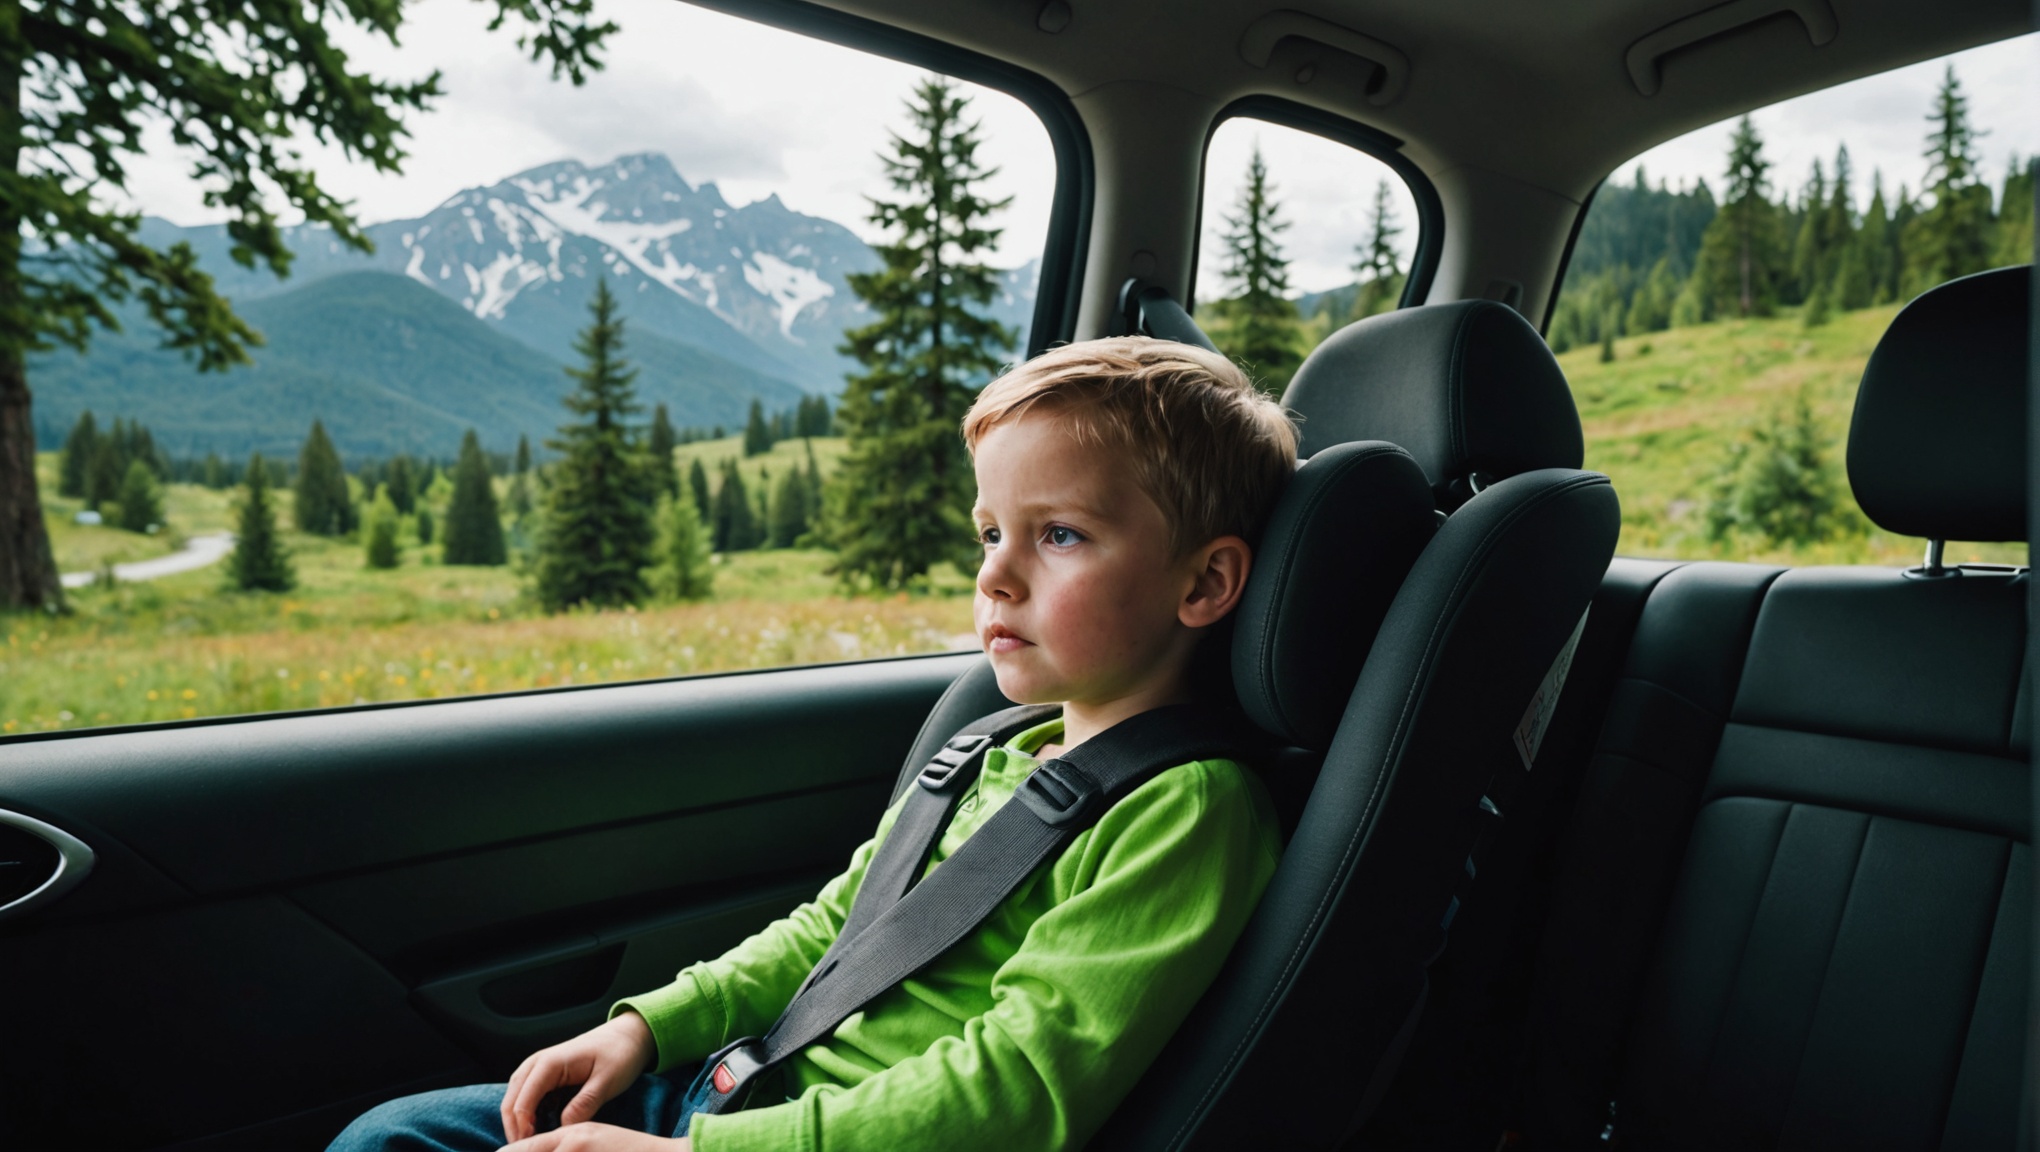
(470, 1119)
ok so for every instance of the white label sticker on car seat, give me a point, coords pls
(1537, 717)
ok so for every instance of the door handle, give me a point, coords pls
(38, 863)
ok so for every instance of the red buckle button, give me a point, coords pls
(722, 1079)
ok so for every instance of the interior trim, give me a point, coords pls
(1361, 138)
(1060, 289)
(1572, 239)
(74, 863)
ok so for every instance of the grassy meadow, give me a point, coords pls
(1660, 419)
(181, 647)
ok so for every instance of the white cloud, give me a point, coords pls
(753, 109)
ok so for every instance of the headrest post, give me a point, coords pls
(1935, 568)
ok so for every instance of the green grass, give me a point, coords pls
(183, 647)
(1660, 419)
(784, 455)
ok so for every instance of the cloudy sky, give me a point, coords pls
(752, 109)
(1883, 120)
(757, 111)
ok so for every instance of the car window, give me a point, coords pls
(591, 411)
(1726, 289)
(1301, 235)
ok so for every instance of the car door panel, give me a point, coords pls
(291, 917)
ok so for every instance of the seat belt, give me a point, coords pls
(896, 926)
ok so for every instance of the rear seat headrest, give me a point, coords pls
(1337, 547)
(1937, 447)
(1468, 388)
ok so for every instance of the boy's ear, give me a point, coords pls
(1220, 576)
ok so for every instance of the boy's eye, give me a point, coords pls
(988, 535)
(1063, 537)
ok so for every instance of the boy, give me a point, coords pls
(1119, 482)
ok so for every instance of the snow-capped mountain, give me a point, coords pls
(761, 285)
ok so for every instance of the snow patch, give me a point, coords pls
(492, 288)
(789, 286)
(416, 268)
(575, 210)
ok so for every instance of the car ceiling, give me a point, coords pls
(1539, 93)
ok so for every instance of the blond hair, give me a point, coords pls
(1207, 447)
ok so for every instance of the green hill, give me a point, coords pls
(1660, 420)
(390, 365)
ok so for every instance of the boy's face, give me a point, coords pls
(1079, 596)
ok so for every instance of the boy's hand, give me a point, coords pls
(599, 1138)
(602, 1061)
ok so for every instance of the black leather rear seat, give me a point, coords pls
(1794, 907)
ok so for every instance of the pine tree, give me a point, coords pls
(379, 531)
(520, 482)
(325, 506)
(1852, 287)
(1778, 483)
(1379, 270)
(734, 525)
(1878, 242)
(697, 487)
(1650, 310)
(215, 474)
(902, 500)
(788, 521)
(1818, 309)
(659, 446)
(141, 501)
(1742, 254)
(259, 561)
(474, 528)
(424, 525)
(596, 540)
(102, 479)
(812, 416)
(2015, 214)
(1952, 237)
(1810, 246)
(403, 494)
(682, 571)
(1260, 323)
(76, 463)
(757, 437)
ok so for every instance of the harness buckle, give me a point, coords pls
(941, 771)
(1058, 793)
(731, 1071)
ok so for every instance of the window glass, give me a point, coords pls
(428, 530)
(1301, 236)
(1727, 288)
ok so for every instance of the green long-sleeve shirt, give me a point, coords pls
(1030, 1030)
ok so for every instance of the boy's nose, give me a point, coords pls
(995, 578)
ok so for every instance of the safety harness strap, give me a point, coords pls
(907, 925)
(903, 855)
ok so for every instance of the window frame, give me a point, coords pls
(1369, 141)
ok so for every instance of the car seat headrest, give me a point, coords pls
(1336, 549)
(1470, 389)
(1937, 447)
